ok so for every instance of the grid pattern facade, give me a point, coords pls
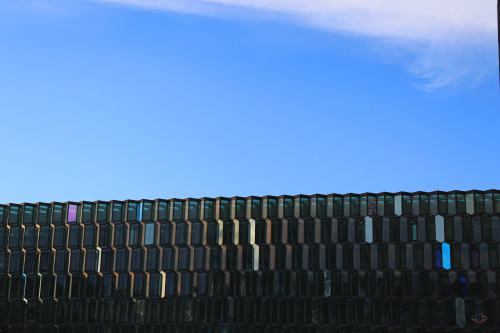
(386, 262)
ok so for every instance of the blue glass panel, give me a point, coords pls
(446, 256)
(462, 286)
(139, 212)
(439, 257)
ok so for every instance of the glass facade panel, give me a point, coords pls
(321, 263)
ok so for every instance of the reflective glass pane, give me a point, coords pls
(149, 237)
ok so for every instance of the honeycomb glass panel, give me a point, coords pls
(149, 237)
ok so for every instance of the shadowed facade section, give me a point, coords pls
(371, 262)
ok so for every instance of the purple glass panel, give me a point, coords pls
(72, 213)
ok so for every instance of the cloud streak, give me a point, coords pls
(442, 33)
(430, 20)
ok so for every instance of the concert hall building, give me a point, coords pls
(386, 262)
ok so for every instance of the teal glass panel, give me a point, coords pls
(305, 207)
(256, 210)
(224, 209)
(442, 204)
(104, 236)
(184, 258)
(355, 205)
(57, 213)
(389, 205)
(199, 258)
(209, 210)
(368, 229)
(338, 206)
(406, 205)
(212, 232)
(29, 216)
(479, 205)
(412, 229)
(272, 208)
(168, 259)
(121, 259)
(446, 256)
(119, 235)
(181, 233)
(148, 209)
(152, 259)
(14, 216)
(425, 204)
(193, 210)
(137, 260)
(321, 210)
(134, 234)
(166, 234)
(415, 202)
(44, 214)
(381, 205)
(162, 210)
(496, 203)
(75, 261)
(288, 207)
(3, 215)
(460, 203)
(363, 210)
(102, 212)
(87, 210)
(131, 211)
(202, 284)
(75, 236)
(240, 209)
(116, 214)
(14, 238)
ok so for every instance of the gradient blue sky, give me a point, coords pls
(134, 99)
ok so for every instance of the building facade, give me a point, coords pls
(386, 262)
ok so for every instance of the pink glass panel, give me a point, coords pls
(72, 213)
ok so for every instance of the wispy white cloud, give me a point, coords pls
(453, 36)
(423, 19)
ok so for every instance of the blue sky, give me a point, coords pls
(134, 99)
